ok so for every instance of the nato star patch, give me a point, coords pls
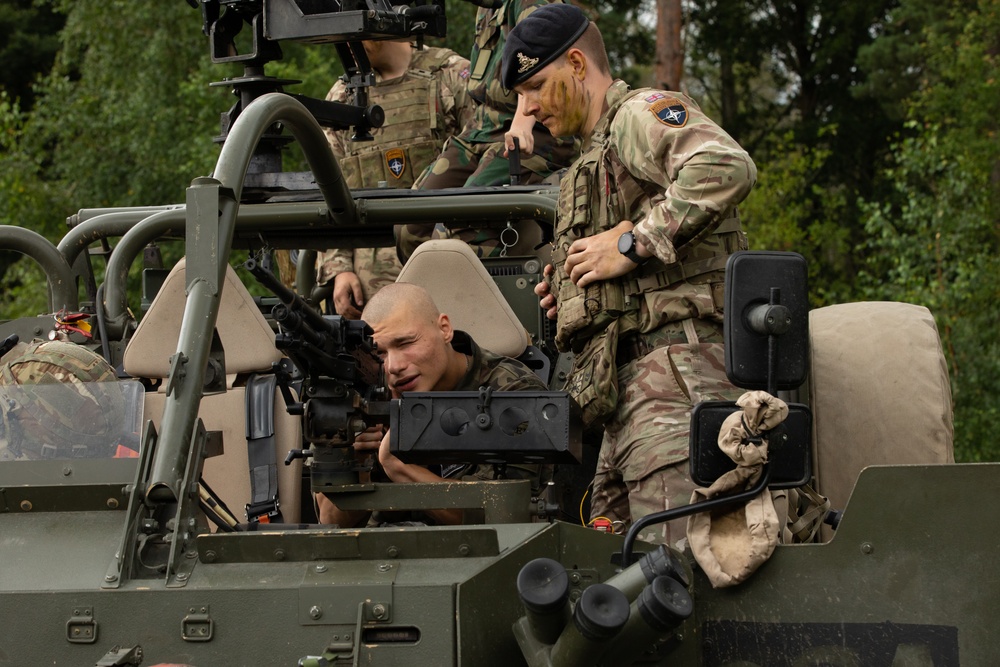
(395, 160)
(670, 111)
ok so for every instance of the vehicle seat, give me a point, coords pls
(462, 288)
(879, 392)
(248, 342)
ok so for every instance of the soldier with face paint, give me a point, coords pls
(423, 92)
(647, 218)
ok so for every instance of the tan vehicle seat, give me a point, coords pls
(461, 287)
(248, 342)
(879, 392)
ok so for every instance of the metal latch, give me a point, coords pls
(197, 625)
(81, 628)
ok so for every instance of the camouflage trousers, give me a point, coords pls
(642, 467)
(473, 164)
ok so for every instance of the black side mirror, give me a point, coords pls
(767, 347)
(789, 445)
(767, 320)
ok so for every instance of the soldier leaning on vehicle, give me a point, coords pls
(647, 218)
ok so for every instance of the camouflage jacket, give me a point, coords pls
(656, 159)
(495, 105)
(493, 370)
(423, 107)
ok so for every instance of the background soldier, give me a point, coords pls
(647, 219)
(423, 92)
(61, 400)
(477, 157)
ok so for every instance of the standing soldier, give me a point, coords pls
(477, 157)
(423, 92)
(647, 219)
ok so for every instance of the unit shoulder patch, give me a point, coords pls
(670, 111)
(395, 160)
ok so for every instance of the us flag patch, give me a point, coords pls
(670, 111)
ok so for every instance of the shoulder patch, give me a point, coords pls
(395, 160)
(670, 111)
(654, 97)
(464, 73)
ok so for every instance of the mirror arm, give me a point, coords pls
(687, 510)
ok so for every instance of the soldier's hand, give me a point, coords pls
(521, 126)
(369, 440)
(395, 469)
(597, 257)
(523, 135)
(544, 290)
(346, 293)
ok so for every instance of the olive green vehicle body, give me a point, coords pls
(910, 577)
(904, 570)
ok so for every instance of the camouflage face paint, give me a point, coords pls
(558, 100)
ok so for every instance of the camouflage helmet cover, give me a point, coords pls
(58, 400)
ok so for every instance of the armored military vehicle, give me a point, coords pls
(178, 529)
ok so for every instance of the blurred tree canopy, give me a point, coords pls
(873, 126)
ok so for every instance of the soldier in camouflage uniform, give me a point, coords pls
(478, 156)
(647, 219)
(423, 92)
(421, 352)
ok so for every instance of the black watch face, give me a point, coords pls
(626, 243)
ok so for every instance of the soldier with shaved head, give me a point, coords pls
(647, 218)
(420, 351)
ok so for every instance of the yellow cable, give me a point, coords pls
(584, 498)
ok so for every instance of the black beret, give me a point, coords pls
(538, 39)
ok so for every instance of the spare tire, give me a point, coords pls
(879, 392)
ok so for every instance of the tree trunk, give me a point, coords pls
(727, 96)
(669, 47)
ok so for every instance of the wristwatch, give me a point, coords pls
(626, 246)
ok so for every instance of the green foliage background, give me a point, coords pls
(873, 125)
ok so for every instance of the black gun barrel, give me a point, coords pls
(291, 300)
(290, 320)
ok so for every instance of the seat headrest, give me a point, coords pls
(246, 337)
(462, 289)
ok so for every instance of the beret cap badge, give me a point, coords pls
(525, 62)
(539, 39)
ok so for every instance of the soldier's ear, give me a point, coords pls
(444, 324)
(577, 60)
